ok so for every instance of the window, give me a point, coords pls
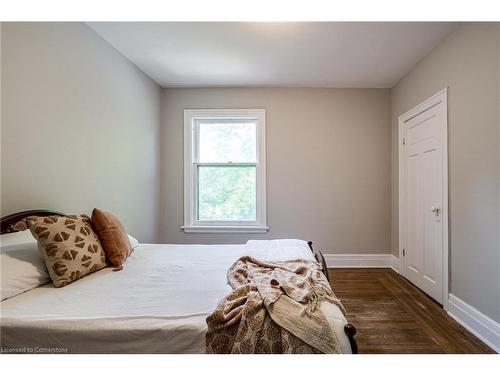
(224, 171)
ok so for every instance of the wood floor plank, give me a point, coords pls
(393, 316)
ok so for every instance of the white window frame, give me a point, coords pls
(191, 224)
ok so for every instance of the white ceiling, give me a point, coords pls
(328, 54)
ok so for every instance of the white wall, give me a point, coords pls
(80, 126)
(467, 62)
(328, 164)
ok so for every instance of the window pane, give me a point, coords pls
(227, 193)
(225, 140)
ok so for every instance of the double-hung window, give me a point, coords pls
(224, 171)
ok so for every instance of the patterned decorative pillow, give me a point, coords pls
(20, 225)
(68, 245)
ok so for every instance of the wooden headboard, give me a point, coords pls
(7, 222)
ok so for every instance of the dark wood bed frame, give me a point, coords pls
(8, 222)
(7, 225)
(349, 329)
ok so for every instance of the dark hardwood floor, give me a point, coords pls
(393, 316)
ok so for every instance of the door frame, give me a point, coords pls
(438, 98)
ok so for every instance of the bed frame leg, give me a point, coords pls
(350, 331)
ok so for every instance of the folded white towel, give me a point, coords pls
(276, 250)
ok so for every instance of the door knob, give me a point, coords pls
(435, 210)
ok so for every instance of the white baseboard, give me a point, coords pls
(362, 261)
(480, 325)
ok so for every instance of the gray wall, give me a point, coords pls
(80, 126)
(467, 62)
(328, 164)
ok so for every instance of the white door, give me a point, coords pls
(424, 196)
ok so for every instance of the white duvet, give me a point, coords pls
(157, 304)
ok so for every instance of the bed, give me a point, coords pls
(157, 304)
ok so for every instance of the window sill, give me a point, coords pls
(225, 229)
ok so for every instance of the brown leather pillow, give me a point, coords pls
(113, 237)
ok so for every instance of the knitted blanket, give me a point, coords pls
(273, 308)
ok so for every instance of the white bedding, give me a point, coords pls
(157, 304)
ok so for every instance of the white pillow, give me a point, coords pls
(278, 250)
(22, 267)
(16, 238)
(133, 241)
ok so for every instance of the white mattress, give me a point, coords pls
(157, 304)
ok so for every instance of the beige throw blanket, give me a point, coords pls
(273, 308)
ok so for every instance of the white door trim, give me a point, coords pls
(439, 97)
